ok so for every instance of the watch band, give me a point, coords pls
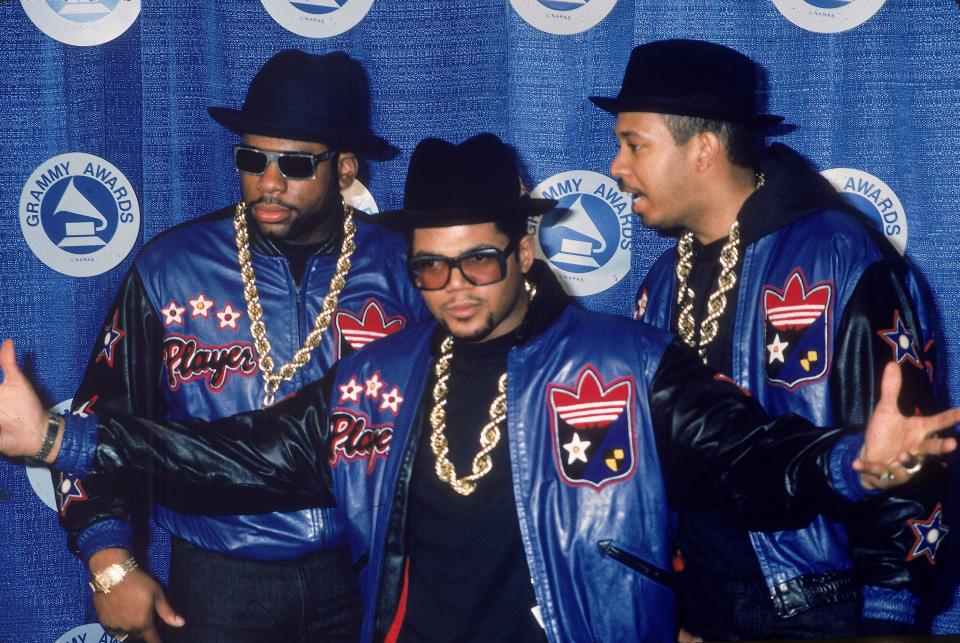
(55, 423)
(109, 577)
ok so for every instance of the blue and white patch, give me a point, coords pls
(89, 633)
(586, 240)
(875, 199)
(928, 534)
(902, 340)
(563, 17)
(317, 18)
(828, 16)
(79, 214)
(82, 22)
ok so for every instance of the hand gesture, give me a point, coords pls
(896, 445)
(23, 420)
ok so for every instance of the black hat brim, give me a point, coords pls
(363, 144)
(406, 220)
(657, 105)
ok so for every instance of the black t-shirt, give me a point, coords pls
(468, 575)
(710, 539)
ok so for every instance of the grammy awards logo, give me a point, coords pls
(875, 200)
(79, 214)
(563, 17)
(317, 18)
(586, 239)
(82, 22)
(89, 633)
(828, 16)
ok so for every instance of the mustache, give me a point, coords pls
(271, 200)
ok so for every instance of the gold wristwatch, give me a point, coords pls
(110, 576)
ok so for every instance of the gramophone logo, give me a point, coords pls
(79, 214)
(586, 239)
(90, 633)
(563, 17)
(317, 18)
(875, 200)
(828, 16)
(82, 22)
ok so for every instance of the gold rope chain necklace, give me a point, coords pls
(272, 380)
(489, 434)
(717, 302)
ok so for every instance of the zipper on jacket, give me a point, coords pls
(634, 562)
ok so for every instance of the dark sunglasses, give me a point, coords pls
(292, 165)
(480, 267)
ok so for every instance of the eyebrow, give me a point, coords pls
(482, 246)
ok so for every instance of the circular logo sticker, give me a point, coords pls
(40, 477)
(317, 18)
(874, 198)
(90, 633)
(586, 239)
(79, 214)
(828, 16)
(358, 197)
(82, 22)
(563, 17)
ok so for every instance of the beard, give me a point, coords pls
(303, 229)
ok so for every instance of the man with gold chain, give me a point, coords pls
(228, 313)
(518, 482)
(780, 285)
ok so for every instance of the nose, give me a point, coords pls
(616, 165)
(457, 280)
(271, 181)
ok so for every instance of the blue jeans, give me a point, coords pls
(717, 608)
(225, 599)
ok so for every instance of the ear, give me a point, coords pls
(525, 253)
(347, 167)
(708, 150)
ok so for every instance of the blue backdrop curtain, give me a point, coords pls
(881, 98)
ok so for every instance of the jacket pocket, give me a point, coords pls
(610, 549)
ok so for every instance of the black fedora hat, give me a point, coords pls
(690, 78)
(476, 181)
(306, 97)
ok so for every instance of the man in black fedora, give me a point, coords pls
(780, 285)
(507, 470)
(228, 313)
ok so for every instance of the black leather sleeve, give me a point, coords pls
(121, 377)
(718, 448)
(881, 536)
(255, 462)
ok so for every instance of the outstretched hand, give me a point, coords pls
(23, 419)
(896, 445)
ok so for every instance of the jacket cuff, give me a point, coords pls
(844, 480)
(79, 445)
(887, 604)
(103, 535)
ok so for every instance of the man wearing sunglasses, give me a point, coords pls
(515, 477)
(229, 313)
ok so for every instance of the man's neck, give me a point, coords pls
(726, 201)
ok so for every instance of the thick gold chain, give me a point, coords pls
(271, 379)
(489, 434)
(717, 303)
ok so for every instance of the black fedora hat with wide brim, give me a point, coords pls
(690, 78)
(477, 181)
(306, 97)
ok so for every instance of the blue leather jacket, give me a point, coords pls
(597, 530)
(819, 307)
(177, 344)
